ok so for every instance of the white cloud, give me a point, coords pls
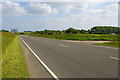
(0, 14)
(99, 0)
(63, 0)
(111, 10)
(88, 19)
(112, 7)
(119, 14)
(108, 11)
(67, 7)
(79, 6)
(11, 8)
(14, 9)
(55, 11)
(95, 11)
(40, 9)
(0, 7)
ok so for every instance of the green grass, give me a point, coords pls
(13, 65)
(7, 38)
(110, 44)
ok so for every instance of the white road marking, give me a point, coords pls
(114, 58)
(49, 70)
(63, 45)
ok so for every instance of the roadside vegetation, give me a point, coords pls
(98, 33)
(13, 63)
(81, 37)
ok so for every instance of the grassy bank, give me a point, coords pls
(13, 65)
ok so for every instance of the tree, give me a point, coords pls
(105, 30)
(4, 31)
(72, 30)
(82, 31)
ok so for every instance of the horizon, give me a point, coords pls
(56, 29)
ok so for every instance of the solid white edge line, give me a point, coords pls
(49, 70)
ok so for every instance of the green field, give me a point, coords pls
(13, 62)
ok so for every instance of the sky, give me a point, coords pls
(36, 16)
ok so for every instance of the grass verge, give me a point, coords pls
(13, 65)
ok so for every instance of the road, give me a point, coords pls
(75, 60)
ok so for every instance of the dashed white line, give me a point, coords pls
(114, 58)
(63, 45)
(49, 70)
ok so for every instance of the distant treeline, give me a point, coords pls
(94, 30)
(4, 31)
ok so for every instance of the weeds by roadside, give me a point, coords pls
(13, 65)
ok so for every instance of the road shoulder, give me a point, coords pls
(35, 68)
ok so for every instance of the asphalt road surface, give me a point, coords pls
(75, 60)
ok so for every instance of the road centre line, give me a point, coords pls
(63, 45)
(114, 58)
(48, 69)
